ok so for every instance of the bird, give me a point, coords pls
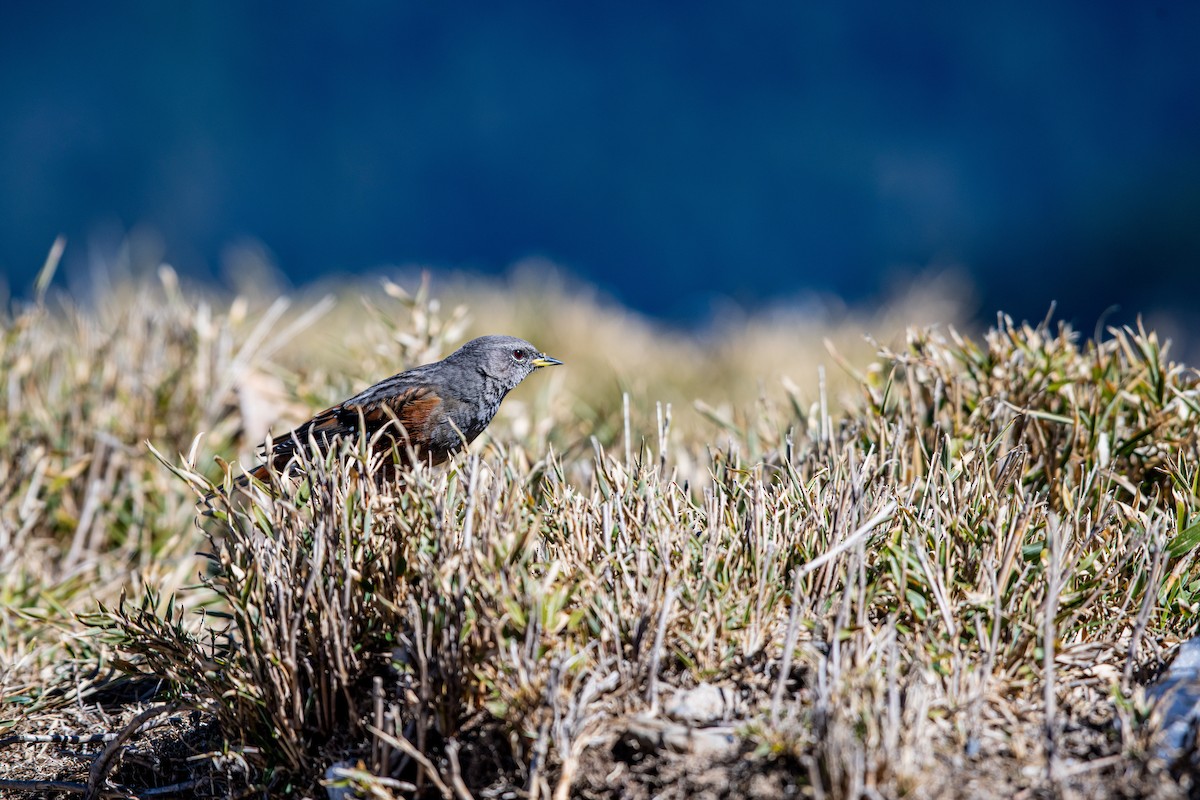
(425, 414)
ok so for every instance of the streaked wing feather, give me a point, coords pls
(375, 408)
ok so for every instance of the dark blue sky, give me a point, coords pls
(670, 152)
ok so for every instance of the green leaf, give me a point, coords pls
(1185, 542)
(916, 602)
(1032, 551)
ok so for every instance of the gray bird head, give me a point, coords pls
(505, 359)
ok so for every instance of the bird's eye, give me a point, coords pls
(519, 355)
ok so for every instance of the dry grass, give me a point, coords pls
(944, 571)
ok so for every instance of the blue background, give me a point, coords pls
(669, 152)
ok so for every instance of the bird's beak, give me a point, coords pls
(545, 361)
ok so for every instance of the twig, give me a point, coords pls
(81, 788)
(56, 738)
(566, 777)
(456, 780)
(540, 748)
(378, 746)
(405, 746)
(656, 652)
(76, 738)
(56, 786)
(96, 774)
(883, 516)
(174, 788)
(1054, 543)
(1093, 765)
(468, 528)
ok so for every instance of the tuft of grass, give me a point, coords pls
(945, 571)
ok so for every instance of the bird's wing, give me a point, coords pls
(415, 407)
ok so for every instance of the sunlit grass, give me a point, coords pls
(916, 564)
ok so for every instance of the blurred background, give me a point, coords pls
(690, 162)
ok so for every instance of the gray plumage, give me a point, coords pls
(435, 409)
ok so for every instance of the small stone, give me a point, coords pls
(704, 704)
(715, 741)
(654, 735)
(337, 772)
(1177, 693)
